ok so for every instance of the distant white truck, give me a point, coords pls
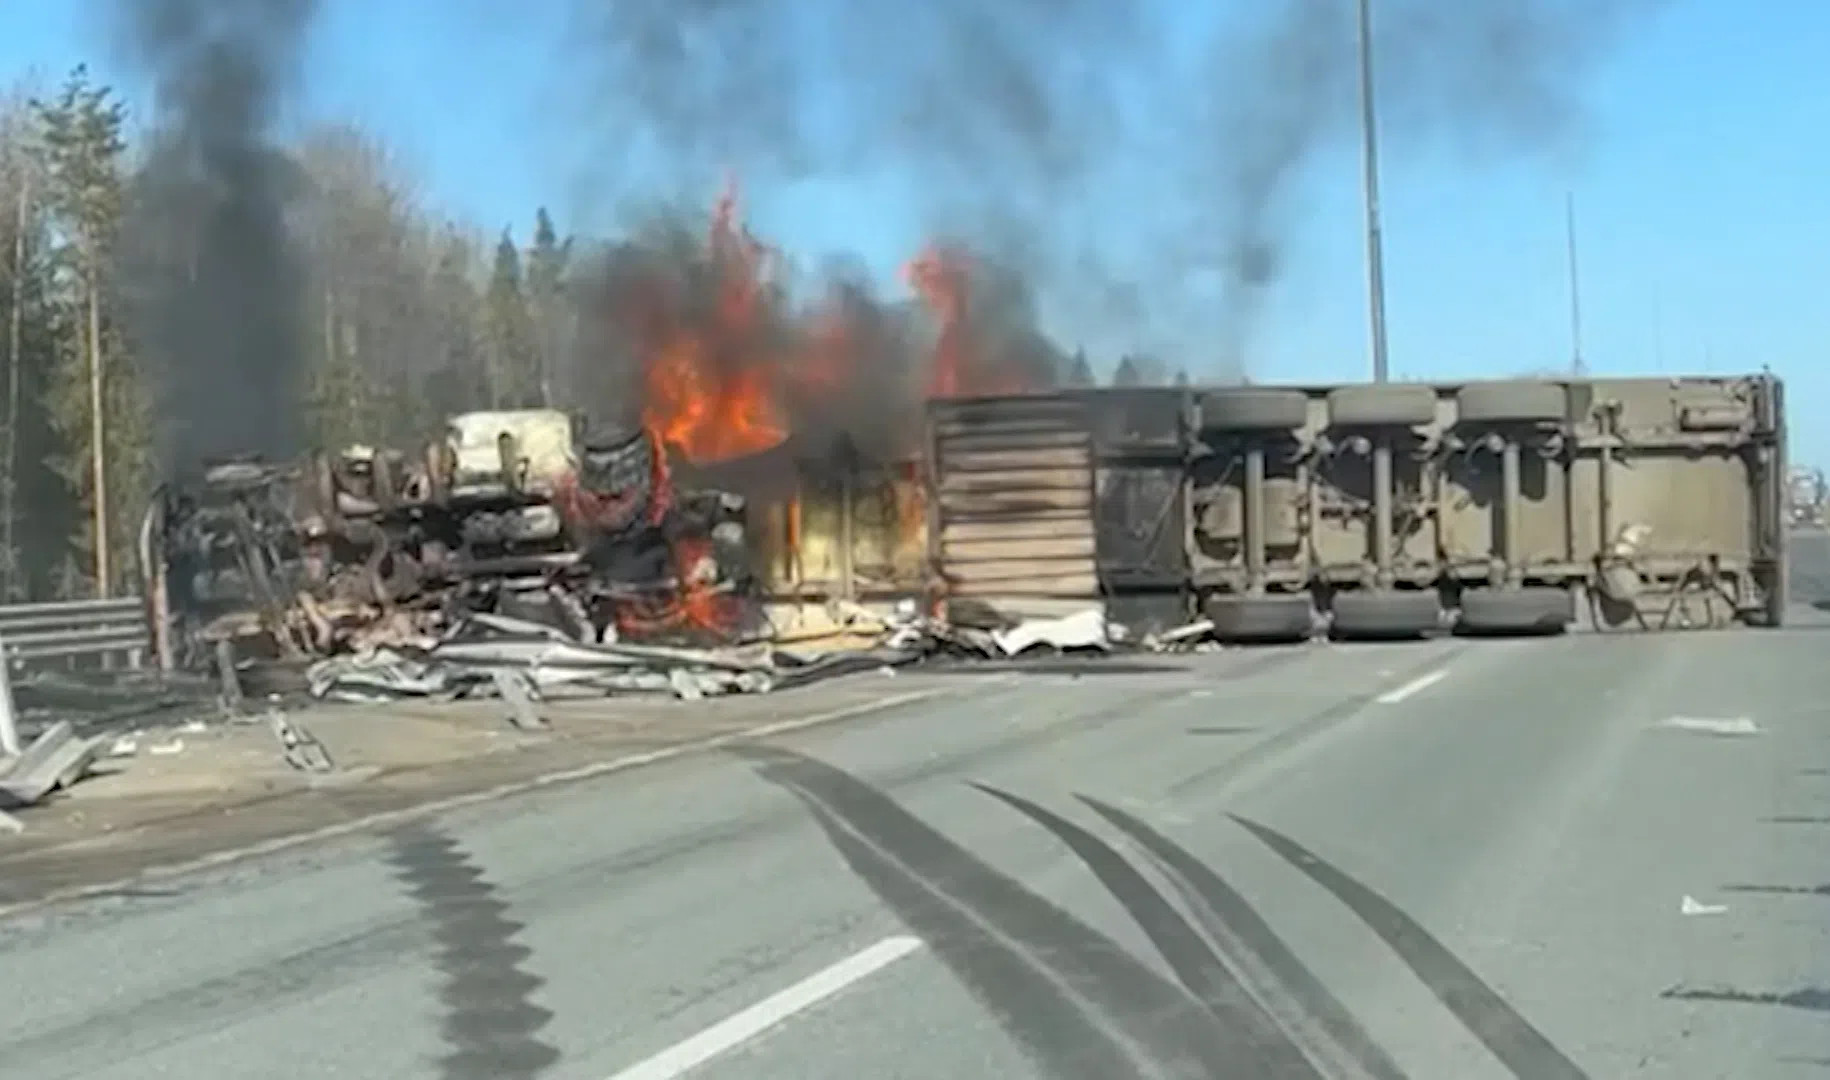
(1806, 497)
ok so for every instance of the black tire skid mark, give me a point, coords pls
(1161, 1027)
(1181, 945)
(491, 1023)
(1033, 1009)
(1811, 998)
(1244, 936)
(1780, 890)
(1519, 1046)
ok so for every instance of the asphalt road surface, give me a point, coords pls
(1581, 856)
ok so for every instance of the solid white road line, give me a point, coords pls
(739, 1028)
(1415, 686)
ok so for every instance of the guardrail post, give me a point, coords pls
(9, 720)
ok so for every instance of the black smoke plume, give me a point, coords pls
(1282, 91)
(1013, 123)
(216, 284)
(682, 318)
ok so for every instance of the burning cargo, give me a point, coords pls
(512, 512)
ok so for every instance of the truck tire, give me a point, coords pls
(1274, 618)
(1513, 402)
(1538, 609)
(1774, 579)
(1254, 410)
(1382, 405)
(1377, 614)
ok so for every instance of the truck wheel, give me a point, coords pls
(1254, 410)
(1288, 617)
(1773, 579)
(1382, 405)
(1532, 610)
(1513, 402)
(1377, 614)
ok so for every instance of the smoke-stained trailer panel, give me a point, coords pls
(1141, 457)
(1012, 507)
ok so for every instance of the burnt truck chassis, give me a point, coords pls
(1401, 509)
(337, 553)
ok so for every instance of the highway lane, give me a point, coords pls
(1560, 857)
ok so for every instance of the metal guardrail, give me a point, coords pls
(111, 630)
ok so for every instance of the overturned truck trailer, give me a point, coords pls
(1388, 510)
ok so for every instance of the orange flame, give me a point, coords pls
(705, 398)
(942, 279)
(939, 279)
(703, 606)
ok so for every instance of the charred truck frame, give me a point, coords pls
(512, 512)
(1378, 510)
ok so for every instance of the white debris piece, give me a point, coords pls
(1191, 633)
(1714, 725)
(1081, 630)
(1690, 905)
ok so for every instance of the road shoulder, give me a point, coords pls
(92, 844)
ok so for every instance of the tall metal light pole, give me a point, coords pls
(1375, 244)
(1577, 366)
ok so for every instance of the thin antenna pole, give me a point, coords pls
(1375, 244)
(1577, 366)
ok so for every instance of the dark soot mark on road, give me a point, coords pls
(1816, 999)
(490, 1020)
(1520, 1046)
(1222, 730)
(1781, 890)
(1795, 819)
(1073, 998)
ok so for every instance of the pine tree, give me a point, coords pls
(512, 360)
(96, 398)
(1127, 373)
(21, 316)
(1079, 372)
(547, 261)
(460, 379)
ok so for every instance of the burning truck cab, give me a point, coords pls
(520, 512)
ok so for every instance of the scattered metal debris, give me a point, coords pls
(54, 759)
(300, 748)
(516, 688)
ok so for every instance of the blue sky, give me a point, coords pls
(1700, 183)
